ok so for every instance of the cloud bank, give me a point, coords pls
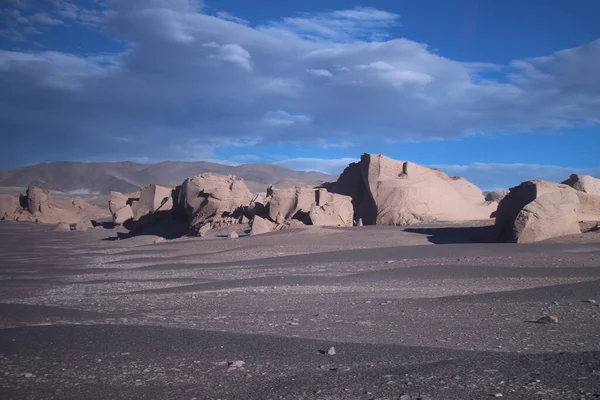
(193, 80)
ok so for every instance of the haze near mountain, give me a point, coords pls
(104, 177)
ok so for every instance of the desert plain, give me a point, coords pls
(430, 311)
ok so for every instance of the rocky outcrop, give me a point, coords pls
(37, 205)
(212, 197)
(496, 195)
(261, 226)
(152, 198)
(389, 192)
(584, 183)
(10, 207)
(120, 206)
(331, 210)
(289, 204)
(537, 210)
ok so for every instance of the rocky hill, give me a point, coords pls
(104, 177)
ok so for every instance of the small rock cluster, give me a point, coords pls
(38, 205)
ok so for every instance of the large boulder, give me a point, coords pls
(10, 207)
(212, 196)
(120, 206)
(331, 210)
(37, 205)
(538, 210)
(289, 204)
(152, 198)
(584, 183)
(260, 226)
(39, 200)
(389, 192)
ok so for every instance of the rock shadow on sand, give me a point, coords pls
(457, 235)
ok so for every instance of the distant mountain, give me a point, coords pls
(104, 177)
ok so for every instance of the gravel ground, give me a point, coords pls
(424, 312)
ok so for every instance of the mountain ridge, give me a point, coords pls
(128, 176)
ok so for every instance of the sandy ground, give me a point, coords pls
(422, 312)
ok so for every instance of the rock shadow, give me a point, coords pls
(160, 223)
(458, 235)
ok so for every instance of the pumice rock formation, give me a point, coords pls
(389, 192)
(38, 205)
(538, 210)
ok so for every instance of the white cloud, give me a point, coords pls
(320, 73)
(282, 118)
(337, 26)
(235, 54)
(230, 17)
(328, 166)
(192, 76)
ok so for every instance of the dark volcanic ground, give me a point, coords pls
(253, 318)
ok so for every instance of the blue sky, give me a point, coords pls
(498, 92)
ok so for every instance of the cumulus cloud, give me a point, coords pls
(328, 166)
(188, 77)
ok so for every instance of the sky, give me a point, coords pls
(497, 91)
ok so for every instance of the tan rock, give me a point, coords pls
(123, 215)
(213, 196)
(405, 193)
(261, 226)
(332, 210)
(204, 229)
(288, 204)
(584, 183)
(537, 210)
(120, 206)
(39, 206)
(233, 235)
(10, 207)
(38, 200)
(153, 198)
(83, 225)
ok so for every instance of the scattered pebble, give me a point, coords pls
(331, 351)
(548, 319)
(237, 364)
(497, 395)
(28, 375)
(591, 301)
(233, 235)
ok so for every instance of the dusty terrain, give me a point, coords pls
(414, 312)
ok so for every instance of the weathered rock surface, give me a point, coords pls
(496, 195)
(152, 198)
(584, 183)
(260, 226)
(389, 192)
(39, 201)
(120, 206)
(212, 196)
(39, 206)
(289, 204)
(9, 207)
(332, 210)
(538, 210)
(83, 225)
